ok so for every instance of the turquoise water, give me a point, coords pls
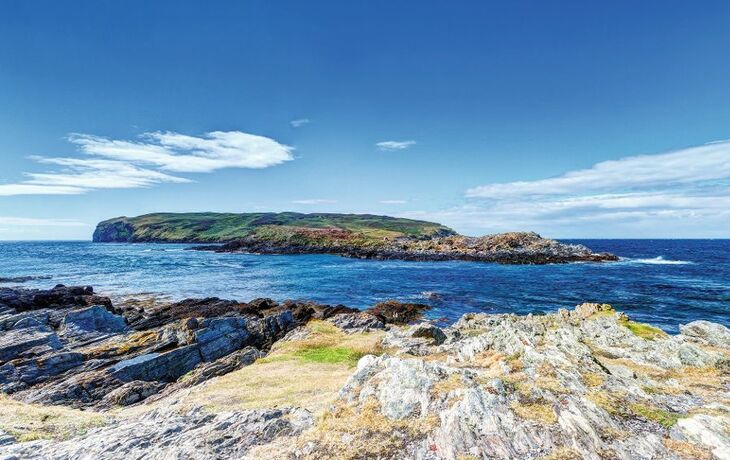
(665, 282)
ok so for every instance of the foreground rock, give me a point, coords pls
(582, 384)
(164, 435)
(68, 346)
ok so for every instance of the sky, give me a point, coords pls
(575, 119)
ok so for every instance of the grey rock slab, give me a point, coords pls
(92, 320)
(162, 435)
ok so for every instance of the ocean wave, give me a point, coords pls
(659, 260)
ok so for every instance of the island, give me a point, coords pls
(363, 236)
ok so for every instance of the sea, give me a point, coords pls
(663, 282)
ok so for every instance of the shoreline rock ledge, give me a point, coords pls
(212, 378)
(351, 235)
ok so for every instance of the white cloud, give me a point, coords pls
(683, 193)
(314, 201)
(99, 174)
(134, 164)
(31, 222)
(182, 153)
(388, 146)
(300, 122)
(704, 163)
(394, 202)
(28, 189)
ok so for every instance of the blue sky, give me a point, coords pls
(574, 119)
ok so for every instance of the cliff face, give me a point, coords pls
(114, 231)
(210, 378)
(351, 235)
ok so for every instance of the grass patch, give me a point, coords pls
(304, 373)
(28, 422)
(642, 330)
(664, 418)
(330, 355)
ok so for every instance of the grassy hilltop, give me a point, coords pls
(224, 227)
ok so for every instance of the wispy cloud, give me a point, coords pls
(394, 145)
(314, 201)
(123, 164)
(29, 189)
(394, 201)
(680, 193)
(182, 153)
(692, 165)
(298, 123)
(30, 222)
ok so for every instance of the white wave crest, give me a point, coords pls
(659, 260)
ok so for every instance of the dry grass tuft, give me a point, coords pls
(687, 450)
(305, 373)
(28, 422)
(536, 411)
(563, 453)
(610, 402)
(348, 434)
(592, 379)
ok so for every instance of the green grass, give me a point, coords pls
(655, 414)
(329, 355)
(318, 354)
(643, 330)
(224, 227)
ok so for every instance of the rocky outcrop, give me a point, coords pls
(583, 384)
(505, 248)
(68, 346)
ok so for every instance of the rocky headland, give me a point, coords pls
(349, 235)
(85, 377)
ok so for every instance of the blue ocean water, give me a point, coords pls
(665, 282)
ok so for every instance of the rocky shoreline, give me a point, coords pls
(85, 377)
(517, 248)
